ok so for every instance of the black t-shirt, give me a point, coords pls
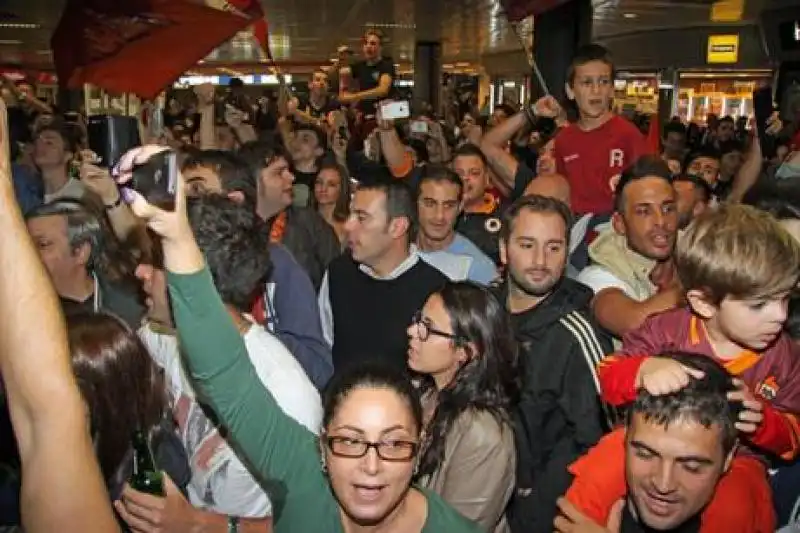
(631, 525)
(306, 106)
(367, 77)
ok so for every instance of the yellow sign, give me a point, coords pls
(723, 49)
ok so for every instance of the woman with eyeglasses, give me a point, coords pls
(356, 477)
(462, 344)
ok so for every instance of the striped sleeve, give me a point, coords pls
(594, 350)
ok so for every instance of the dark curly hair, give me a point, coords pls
(487, 382)
(235, 244)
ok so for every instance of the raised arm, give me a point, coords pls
(62, 488)
(276, 446)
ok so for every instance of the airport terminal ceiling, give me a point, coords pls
(310, 30)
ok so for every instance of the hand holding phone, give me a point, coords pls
(151, 172)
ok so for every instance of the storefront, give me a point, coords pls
(721, 93)
(636, 92)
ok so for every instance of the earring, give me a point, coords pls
(323, 465)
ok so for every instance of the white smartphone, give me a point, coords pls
(419, 126)
(395, 110)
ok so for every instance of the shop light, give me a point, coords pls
(491, 98)
(630, 15)
(522, 93)
(9, 42)
(509, 84)
(19, 26)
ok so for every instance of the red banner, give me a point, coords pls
(140, 47)
(517, 10)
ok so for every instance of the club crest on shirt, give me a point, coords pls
(493, 225)
(375, 75)
(768, 389)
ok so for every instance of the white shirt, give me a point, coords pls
(598, 278)
(220, 482)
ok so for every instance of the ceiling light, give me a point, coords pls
(630, 15)
(19, 26)
(10, 41)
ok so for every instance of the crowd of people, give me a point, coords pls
(344, 322)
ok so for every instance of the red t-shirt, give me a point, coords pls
(590, 160)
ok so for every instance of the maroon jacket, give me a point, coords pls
(772, 375)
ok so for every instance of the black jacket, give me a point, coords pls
(560, 415)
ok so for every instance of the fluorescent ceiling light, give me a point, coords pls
(19, 26)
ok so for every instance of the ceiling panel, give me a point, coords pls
(310, 30)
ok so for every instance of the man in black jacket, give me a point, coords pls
(560, 415)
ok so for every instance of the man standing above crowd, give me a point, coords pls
(374, 76)
(592, 152)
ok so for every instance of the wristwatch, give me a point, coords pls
(233, 524)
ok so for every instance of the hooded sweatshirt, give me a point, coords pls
(560, 415)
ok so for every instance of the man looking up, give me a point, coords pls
(631, 272)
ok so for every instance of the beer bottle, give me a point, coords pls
(146, 477)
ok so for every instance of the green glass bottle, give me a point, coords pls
(146, 477)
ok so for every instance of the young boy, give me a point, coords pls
(594, 151)
(738, 267)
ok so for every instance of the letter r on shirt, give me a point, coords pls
(616, 158)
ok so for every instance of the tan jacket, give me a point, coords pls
(610, 250)
(477, 474)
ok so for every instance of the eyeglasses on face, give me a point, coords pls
(389, 450)
(425, 328)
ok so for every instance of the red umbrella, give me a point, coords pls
(139, 46)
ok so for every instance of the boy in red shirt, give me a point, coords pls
(592, 152)
(738, 266)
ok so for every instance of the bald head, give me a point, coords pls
(551, 186)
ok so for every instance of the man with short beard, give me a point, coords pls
(631, 273)
(559, 416)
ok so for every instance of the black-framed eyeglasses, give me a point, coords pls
(388, 450)
(425, 328)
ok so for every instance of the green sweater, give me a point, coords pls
(281, 452)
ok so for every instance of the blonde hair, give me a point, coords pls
(737, 251)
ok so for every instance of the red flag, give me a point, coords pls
(138, 46)
(653, 141)
(517, 10)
